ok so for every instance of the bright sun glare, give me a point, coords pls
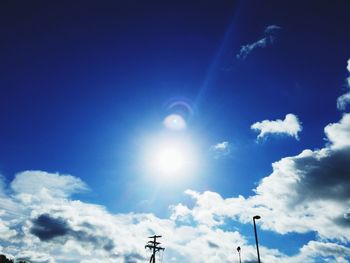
(171, 158)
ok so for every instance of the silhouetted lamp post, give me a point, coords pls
(239, 254)
(256, 236)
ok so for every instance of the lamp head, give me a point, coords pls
(256, 217)
(238, 249)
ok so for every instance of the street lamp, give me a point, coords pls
(239, 254)
(256, 236)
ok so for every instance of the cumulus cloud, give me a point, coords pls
(46, 228)
(270, 35)
(290, 126)
(338, 133)
(59, 229)
(39, 182)
(315, 249)
(35, 257)
(222, 149)
(304, 193)
(344, 99)
(180, 212)
(66, 230)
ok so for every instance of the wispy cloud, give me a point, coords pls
(270, 35)
(289, 126)
(222, 149)
(344, 99)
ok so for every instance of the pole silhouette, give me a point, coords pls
(239, 253)
(154, 246)
(256, 237)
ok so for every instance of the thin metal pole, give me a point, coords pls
(239, 254)
(256, 240)
(153, 257)
(154, 248)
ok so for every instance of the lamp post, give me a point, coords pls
(239, 253)
(256, 236)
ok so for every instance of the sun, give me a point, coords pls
(169, 157)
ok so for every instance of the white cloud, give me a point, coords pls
(60, 229)
(222, 149)
(179, 212)
(270, 33)
(65, 230)
(344, 99)
(5, 231)
(338, 133)
(306, 192)
(42, 183)
(325, 249)
(289, 126)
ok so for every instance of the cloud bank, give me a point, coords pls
(290, 126)
(304, 193)
(51, 227)
(270, 33)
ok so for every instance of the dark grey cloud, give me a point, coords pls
(31, 260)
(213, 245)
(347, 216)
(98, 241)
(48, 228)
(310, 191)
(133, 257)
(325, 177)
(342, 221)
(270, 35)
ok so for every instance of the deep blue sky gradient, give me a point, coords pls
(81, 80)
(82, 83)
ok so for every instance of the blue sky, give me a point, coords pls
(260, 93)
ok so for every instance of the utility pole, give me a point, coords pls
(154, 246)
